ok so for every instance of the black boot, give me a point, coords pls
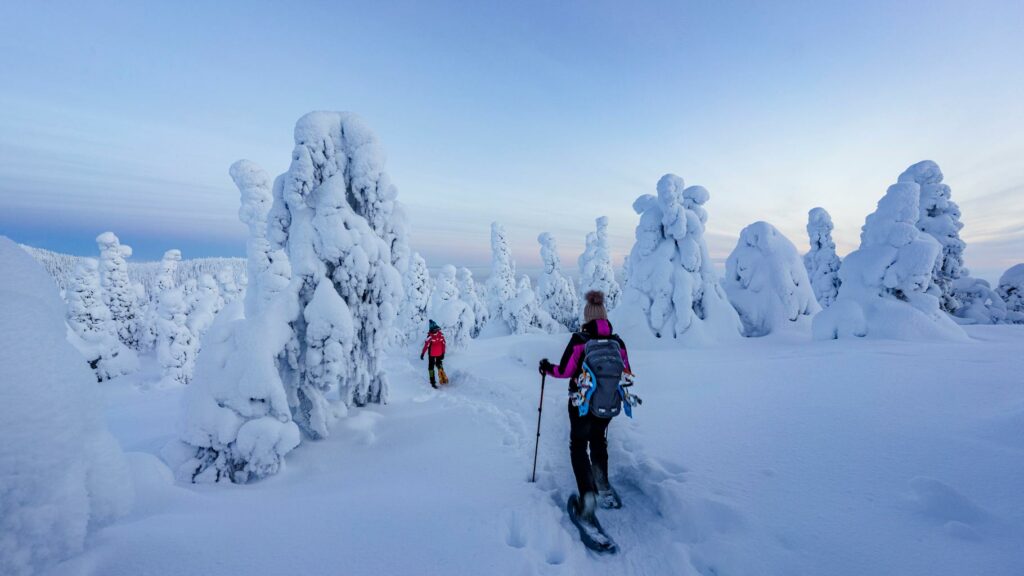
(607, 497)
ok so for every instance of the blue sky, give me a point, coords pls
(544, 115)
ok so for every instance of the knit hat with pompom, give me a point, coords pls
(595, 306)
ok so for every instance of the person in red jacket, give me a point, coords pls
(434, 346)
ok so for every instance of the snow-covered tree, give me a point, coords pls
(62, 474)
(454, 316)
(501, 284)
(468, 294)
(524, 315)
(977, 302)
(1011, 290)
(821, 262)
(118, 293)
(412, 318)
(887, 289)
(940, 217)
(176, 346)
(91, 330)
(168, 267)
(596, 270)
(203, 305)
(672, 289)
(267, 265)
(766, 281)
(555, 292)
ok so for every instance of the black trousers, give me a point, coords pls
(435, 361)
(587, 432)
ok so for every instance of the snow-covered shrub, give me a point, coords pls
(62, 474)
(886, 289)
(176, 346)
(237, 425)
(672, 289)
(468, 293)
(766, 281)
(267, 265)
(977, 302)
(454, 316)
(501, 284)
(227, 287)
(1011, 290)
(91, 330)
(821, 262)
(596, 270)
(412, 317)
(939, 216)
(555, 292)
(117, 290)
(523, 314)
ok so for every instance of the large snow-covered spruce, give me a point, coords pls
(501, 284)
(1011, 290)
(412, 317)
(555, 292)
(118, 292)
(672, 289)
(939, 216)
(821, 262)
(596, 270)
(454, 316)
(267, 266)
(766, 281)
(469, 294)
(91, 330)
(887, 289)
(61, 472)
(331, 213)
(203, 305)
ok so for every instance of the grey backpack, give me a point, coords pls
(602, 362)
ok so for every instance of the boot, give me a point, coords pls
(444, 377)
(588, 508)
(607, 497)
(433, 383)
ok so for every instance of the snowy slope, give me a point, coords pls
(776, 455)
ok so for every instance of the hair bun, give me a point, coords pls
(595, 298)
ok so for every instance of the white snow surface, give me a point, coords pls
(62, 475)
(844, 458)
(887, 286)
(767, 283)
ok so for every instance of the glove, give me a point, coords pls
(545, 366)
(421, 356)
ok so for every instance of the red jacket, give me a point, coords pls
(434, 343)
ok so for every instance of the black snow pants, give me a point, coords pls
(587, 432)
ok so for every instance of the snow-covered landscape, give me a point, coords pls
(341, 392)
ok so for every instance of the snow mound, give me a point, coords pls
(766, 281)
(61, 472)
(887, 289)
(977, 302)
(942, 503)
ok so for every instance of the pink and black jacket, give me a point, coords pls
(571, 365)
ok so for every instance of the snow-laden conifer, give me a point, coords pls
(556, 294)
(523, 313)
(821, 262)
(673, 289)
(766, 281)
(469, 294)
(1011, 290)
(596, 270)
(501, 284)
(454, 316)
(412, 317)
(887, 289)
(267, 265)
(176, 346)
(118, 293)
(91, 330)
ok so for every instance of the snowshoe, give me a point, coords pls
(591, 533)
(444, 377)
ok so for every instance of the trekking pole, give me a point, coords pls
(540, 410)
